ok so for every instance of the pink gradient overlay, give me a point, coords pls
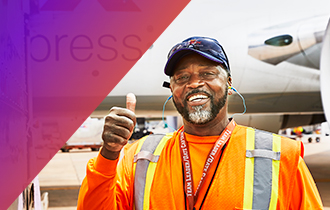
(58, 61)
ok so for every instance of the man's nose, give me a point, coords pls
(195, 81)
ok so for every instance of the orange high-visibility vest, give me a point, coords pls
(232, 183)
(264, 182)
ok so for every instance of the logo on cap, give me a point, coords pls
(193, 42)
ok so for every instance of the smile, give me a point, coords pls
(197, 98)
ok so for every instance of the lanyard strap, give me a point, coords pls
(213, 155)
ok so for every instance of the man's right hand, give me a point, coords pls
(118, 128)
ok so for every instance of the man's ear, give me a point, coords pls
(170, 86)
(229, 82)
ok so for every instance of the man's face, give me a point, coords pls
(199, 89)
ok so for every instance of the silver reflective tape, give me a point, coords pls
(262, 185)
(263, 154)
(147, 156)
(149, 146)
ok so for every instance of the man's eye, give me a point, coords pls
(182, 78)
(208, 75)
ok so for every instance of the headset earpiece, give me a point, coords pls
(232, 88)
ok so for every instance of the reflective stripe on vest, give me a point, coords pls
(145, 162)
(262, 164)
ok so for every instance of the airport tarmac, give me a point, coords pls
(63, 175)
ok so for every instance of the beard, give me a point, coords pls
(199, 115)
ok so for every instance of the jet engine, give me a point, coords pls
(298, 42)
(304, 43)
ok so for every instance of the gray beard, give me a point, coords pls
(199, 116)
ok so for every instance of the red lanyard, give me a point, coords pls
(213, 155)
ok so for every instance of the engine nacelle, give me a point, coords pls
(297, 42)
(325, 73)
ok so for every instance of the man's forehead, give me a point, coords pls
(183, 67)
(196, 59)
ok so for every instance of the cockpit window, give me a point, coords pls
(279, 41)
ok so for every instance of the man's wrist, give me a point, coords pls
(110, 155)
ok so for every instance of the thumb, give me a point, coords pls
(130, 102)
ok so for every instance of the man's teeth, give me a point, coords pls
(197, 98)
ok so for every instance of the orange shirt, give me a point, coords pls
(104, 188)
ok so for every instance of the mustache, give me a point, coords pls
(198, 91)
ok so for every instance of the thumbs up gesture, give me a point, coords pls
(118, 128)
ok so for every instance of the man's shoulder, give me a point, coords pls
(149, 139)
(284, 140)
(160, 138)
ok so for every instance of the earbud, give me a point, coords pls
(232, 88)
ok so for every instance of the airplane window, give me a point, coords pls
(279, 41)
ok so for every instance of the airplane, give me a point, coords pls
(274, 48)
(274, 52)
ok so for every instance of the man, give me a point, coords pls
(209, 163)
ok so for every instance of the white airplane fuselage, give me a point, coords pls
(273, 49)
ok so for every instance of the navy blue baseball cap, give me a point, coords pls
(204, 46)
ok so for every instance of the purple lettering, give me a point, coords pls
(57, 41)
(38, 48)
(125, 42)
(85, 47)
(100, 41)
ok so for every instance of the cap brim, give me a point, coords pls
(175, 57)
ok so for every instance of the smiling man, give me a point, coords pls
(209, 163)
(199, 88)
